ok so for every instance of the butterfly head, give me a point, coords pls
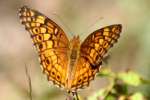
(75, 42)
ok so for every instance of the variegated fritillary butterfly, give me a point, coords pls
(68, 64)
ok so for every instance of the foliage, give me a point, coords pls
(120, 83)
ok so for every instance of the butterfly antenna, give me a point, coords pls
(63, 23)
(83, 33)
(75, 95)
(29, 82)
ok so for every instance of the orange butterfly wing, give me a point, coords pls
(50, 41)
(91, 54)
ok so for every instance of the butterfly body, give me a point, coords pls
(74, 55)
(68, 64)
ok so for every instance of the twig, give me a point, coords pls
(29, 82)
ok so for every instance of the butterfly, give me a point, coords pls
(69, 64)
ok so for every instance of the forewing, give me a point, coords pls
(92, 51)
(51, 43)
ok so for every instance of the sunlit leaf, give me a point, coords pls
(110, 97)
(130, 78)
(137, 96)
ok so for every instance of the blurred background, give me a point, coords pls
(76, 17)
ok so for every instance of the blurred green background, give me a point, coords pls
(76, 17)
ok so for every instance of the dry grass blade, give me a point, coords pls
(29, 82)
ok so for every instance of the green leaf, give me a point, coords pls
(120, 88)
(110, 97)
(130, 78)
(145, 81)
(137, 96)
